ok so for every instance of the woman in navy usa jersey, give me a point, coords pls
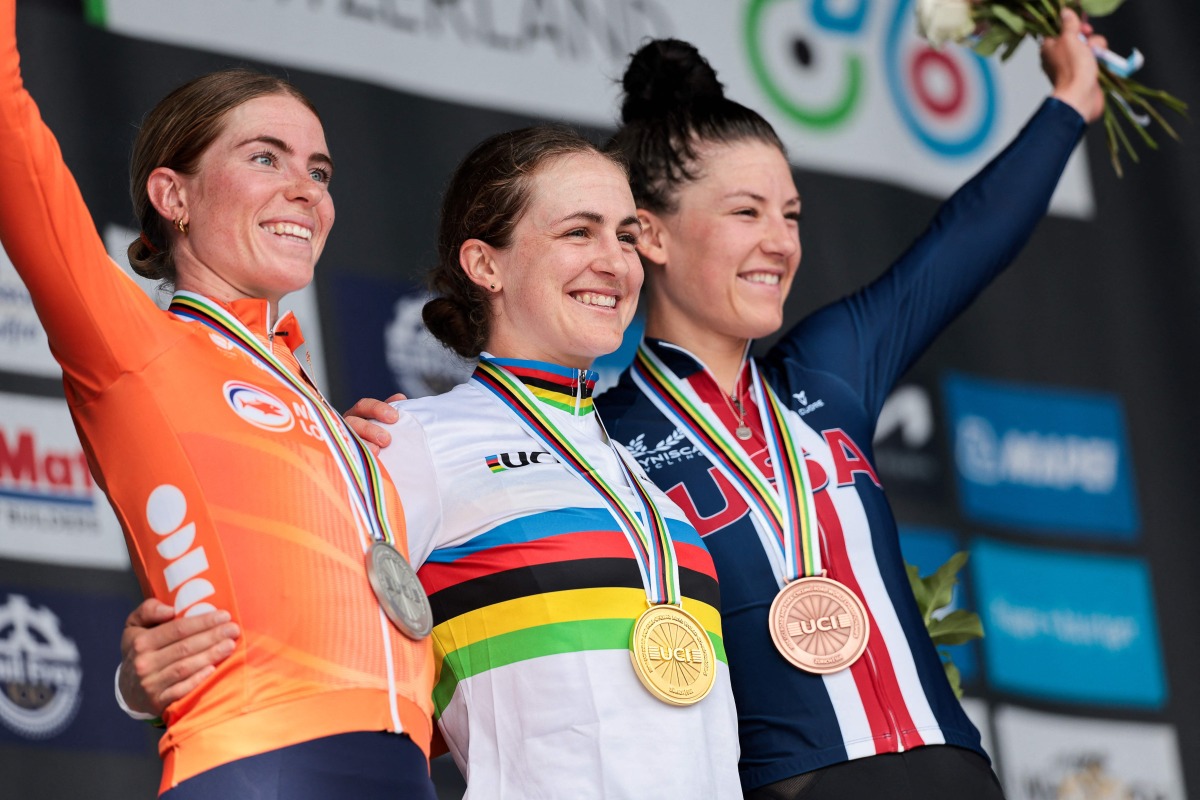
(840, 692)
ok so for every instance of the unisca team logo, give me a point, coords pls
(258, 407)
(40, 673)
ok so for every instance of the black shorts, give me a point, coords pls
(365, 766)
(936, 772)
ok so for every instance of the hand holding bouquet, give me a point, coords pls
(991, 26)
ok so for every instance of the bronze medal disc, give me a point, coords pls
(672, 655)
(819, 625)
(399, 591)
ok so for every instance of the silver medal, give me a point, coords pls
(399, 591)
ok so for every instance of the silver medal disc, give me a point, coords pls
(399, 591)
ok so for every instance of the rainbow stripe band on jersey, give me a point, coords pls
(649, 540)
(359, 468)
(786, 510)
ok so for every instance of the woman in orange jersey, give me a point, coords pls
(238, 489)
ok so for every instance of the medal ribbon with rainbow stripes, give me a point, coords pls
(671, 651)
(359, 469)
(785, 511)
(816, 623)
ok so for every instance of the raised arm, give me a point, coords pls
(95, 315)
(870, 338)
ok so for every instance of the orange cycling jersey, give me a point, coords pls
(227, 492)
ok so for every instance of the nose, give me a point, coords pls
(615, 258)
(301, 187)
(783, 238)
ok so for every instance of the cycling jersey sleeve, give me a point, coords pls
(97, 319)
(872, 337)
(411, 466)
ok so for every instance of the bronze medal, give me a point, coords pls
(399, 591)
(819, 625)
(672, 655)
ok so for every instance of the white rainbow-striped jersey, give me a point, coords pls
(535, 591)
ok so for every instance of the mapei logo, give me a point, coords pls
(1042, 458)
(40, 671)
(258, 406)
(813, 61)
(505, 461)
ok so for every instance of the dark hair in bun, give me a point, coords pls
(488, 194)
(673, 102)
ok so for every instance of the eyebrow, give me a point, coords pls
(598, 219)
(757, 197)
(280, 144)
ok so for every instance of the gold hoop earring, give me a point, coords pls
(181, 226)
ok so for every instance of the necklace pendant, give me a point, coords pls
(743, 432)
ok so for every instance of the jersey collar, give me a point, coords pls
(564, 388)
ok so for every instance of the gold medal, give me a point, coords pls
(672, 655)
(819, 625)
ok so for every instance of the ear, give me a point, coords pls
(654, 240)
(168, 194)
(477, 258)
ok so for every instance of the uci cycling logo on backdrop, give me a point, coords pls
(258, 406)
(812, 61)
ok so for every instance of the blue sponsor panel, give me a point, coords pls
(1071, 627)
(58, 655)
(1041, 459)
(927, 549)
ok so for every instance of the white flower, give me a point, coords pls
(941, 21)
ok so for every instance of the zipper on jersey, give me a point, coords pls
(580, 382)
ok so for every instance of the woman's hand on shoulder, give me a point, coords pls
(363, 415)
(1070, 64)
(164, 657)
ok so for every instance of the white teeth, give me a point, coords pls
(769, 278)
(594, 299)
(287, 229)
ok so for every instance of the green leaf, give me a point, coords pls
(957, 627)
(942, 582)
(1014, 22)
(920, 591)
(992, 39)
(1100, 8)
(1011, 48)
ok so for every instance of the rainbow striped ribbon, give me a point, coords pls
(785, 510)
(650, 541)
(358, 467)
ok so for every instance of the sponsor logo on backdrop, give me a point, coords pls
(50, 508)
(1042, 459)
(848, 85)
(23, 345)
(40, 670)
(905, 445)
(1055, 757)
(1072, 627)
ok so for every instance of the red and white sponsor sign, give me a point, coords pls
(50, 508)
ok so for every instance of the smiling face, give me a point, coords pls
(727, 254)
(258, 207)
(568, 283)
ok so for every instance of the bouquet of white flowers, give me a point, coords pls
(991, 26)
